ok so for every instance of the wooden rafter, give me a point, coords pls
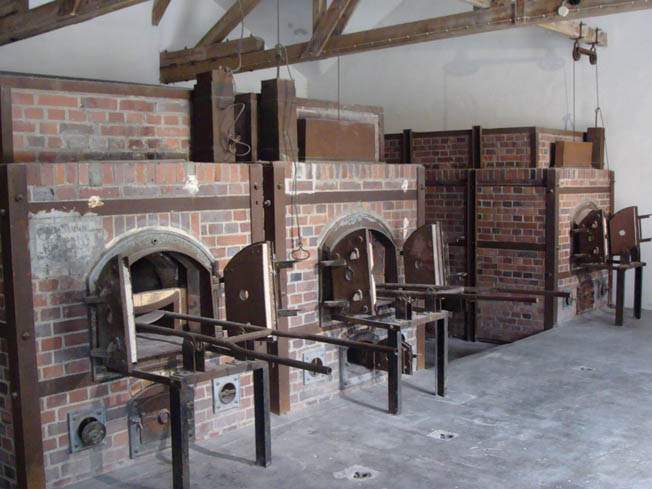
(212, 51)
(457, 25)
(325, 27)
(565, 27)
(318, 9)
(158, 10)
(52, 16)
(228, 22)
(348, 13)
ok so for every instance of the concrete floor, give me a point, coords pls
(566, 409)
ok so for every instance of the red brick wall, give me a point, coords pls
(61, 316)
(7, 454)
(7, 460)
(511, 208)
(511, 213)
(303, 280)
(54, 126)
(547, 140)
(507, 148)
(393, 148)
(568, 203)
(442, 151)
(502, 147)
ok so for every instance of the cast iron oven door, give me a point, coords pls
(354, 253)
(424, 256)
(153, 270)
(250, 287)
(590, 238)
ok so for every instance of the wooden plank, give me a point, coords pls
(231, 18)
(325, 28)
(348, 13)
(477, 151)
(158, 10)
(551, 260)
(213, 51)
(21, 338)
(564, 27)
(332, 140)
(573, 154)
(470, 232)
(596, 135)
(49, 17)
(450, 26)
(407, 146)
(8, 7)
(573, 30)
(6, 126)
(318, 9)
(421, 196)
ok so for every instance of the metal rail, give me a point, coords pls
(452, 288)
(237, 350)
(471, 296)
(282, 334)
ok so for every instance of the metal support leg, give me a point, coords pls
(638, 292)
(181, 404)
(395, 369)
(261, 412)
(442, 356)
(620, 296)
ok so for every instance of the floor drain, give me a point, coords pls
(356, 473)
(442, 435)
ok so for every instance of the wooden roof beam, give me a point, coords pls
(212, 51)
(158, 10)
(457, 25)
(348, 13)
(55, 15)
(228, 22)
(564, 27)
(318, 9)
(325, 27)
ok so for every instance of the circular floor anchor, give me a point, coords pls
(442, 435)
(356, 473)
(584, 368)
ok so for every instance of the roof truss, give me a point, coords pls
(495, 18)
(239, 10)
(53, 15)
(573, 30)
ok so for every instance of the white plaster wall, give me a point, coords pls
(124, 46)
(512, 78)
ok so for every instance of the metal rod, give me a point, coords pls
(422, 294)
(235, 348)
(447, 288)
(282, 334)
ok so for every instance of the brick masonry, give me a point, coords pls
(61, 316)
(510, 208)
(7, 458)
(55, 126)
(314, 219)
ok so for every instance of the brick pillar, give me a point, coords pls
(278, 141)
(212, 117)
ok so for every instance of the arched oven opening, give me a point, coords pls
(148, 271)
(356, 252)
(590, 245)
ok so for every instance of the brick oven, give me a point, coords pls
(507, 212)
(98, 170)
